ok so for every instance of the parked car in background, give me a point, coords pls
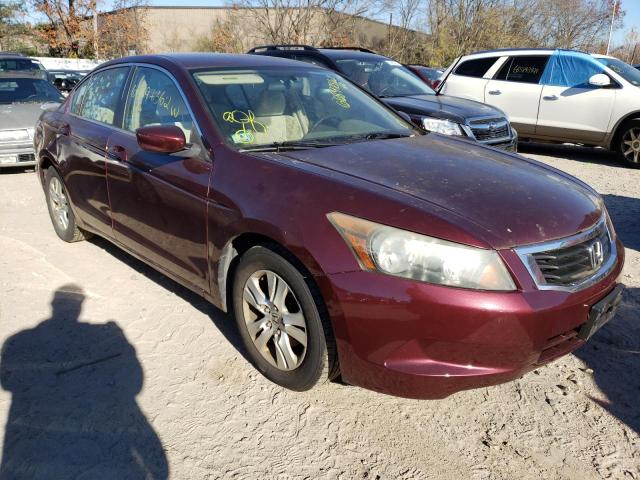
(430, 75)
(16, 62)
(65, 80)
(556, 95)
(399, 88)
(22, 99)
(344, 239)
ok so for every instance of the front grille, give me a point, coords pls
(570, 265)
(489, 129)
(26, 157)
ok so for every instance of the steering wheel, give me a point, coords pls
(322, 120)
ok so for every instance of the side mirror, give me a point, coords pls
(600, 80)
(161, 138)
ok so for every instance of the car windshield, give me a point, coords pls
(625, 70)
(294, 107)
(384, 78)
(27, 90)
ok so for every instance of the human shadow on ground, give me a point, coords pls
(73, 409)
(625, 215)
(613, 354)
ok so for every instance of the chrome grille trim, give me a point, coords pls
(488, 130)
(528, 256)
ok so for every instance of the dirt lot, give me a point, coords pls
(147, 358)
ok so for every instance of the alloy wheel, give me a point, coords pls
(631, 145)
(275, 320)
(59, 203)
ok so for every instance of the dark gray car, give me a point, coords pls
(23, 97)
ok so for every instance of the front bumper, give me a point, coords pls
(510, 146)
(417, 340)
(17, 156)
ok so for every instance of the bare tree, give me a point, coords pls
(123, 30)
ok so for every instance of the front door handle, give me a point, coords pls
(550, 97)
(495, 92)
(117, 152)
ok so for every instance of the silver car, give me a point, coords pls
(23, 97)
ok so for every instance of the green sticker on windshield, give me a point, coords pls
(336, 92)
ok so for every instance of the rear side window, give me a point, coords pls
(475, 68)
(525, 69)
(99, 97)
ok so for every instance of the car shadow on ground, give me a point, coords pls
(223, 321)
(577, 153)
(73, 407)
(613, 354)
(625, 215)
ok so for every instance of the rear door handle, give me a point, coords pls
(550, 97)
(117, 152)
(495, 92)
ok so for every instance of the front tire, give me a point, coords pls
(62, 217)
(285, 330)
(628, 143)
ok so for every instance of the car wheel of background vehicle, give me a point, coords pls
(629, 143)
(284, 326)
(64, 222)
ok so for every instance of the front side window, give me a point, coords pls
(626, 71)
(524, 69)
(383, 78)
(273, 105)
(571, 70)
(475, 68)
(154, 99)
(99, 97)
(19, 64)
(28, 90)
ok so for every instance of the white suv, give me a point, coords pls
(556, 95)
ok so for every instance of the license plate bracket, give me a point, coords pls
(601, 313)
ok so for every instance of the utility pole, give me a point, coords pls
(613, 19)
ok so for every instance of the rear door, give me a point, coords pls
(516, 90)
(571, 109)
(468, 78)
(82, 144)
(158, 200)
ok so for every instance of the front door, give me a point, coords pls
(158, 200)
(82, 144)
(571, 109)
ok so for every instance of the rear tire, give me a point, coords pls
(62, 217)
(627, 143)
(284, 326)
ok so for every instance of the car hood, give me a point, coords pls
(510, 200)
(444, 107)
(21, 115)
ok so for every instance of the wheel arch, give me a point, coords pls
(617, 131)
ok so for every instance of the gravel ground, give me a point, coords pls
(130, 353)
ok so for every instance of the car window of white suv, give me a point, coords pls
(571, 69)
(524, 69)
(476, 67)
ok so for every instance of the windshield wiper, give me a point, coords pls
(290, 145)
(381, 136)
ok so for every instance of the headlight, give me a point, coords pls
(13, 135)
(420, 257)
(31, 131)
(445, 127)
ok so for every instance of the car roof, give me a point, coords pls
(522, 51)
(340, 54)
(203, 60)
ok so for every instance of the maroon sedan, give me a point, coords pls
(343, 239)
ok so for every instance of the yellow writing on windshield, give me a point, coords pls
(248, 125)
(336, 92)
